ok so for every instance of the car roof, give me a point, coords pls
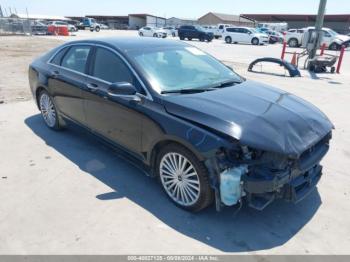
(125, 44)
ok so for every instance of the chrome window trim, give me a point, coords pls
(148, 94)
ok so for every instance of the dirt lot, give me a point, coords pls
(65, 193)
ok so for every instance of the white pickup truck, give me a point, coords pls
(333, 40)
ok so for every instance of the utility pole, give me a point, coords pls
(318, 28)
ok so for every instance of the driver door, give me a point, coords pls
(117, 119)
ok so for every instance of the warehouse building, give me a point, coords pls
(175, 21)
(339, 23)
(137, 21)
(218, 18)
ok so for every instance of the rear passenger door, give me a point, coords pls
(67, 79)
(116, 119)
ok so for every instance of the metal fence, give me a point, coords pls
(15, 26)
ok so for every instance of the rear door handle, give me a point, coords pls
(92, 87)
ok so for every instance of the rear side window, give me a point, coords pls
(232, 30)
(76, 58)
(58, 57)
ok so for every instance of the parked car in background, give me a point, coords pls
(245, 35)
(333, 40)
(152, 32)
(208, 134)
(91, 24)
(220, 29)
(210, 29)
(294, 37)
(71, 28)
(279, 27)
(38, 28)
(104, 27)
(194, 32)
(170, 31)
(274, 36)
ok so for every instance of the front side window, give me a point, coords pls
(109, 67)
(181, 68)
(76, 58)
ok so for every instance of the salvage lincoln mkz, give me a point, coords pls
(206, 132)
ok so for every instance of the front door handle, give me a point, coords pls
(92, 87)
(54, 74)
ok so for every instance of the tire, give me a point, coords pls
(228, 39)
(189, 38)
(181, 38)
(196, 193)
(91, 29)
(173, 34)
(293, 42)
(140, 34)
(155, 35)
(255, 41)
(216, 37)
(48, 111)
(97, 29)
(334, 47)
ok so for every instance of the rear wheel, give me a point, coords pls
(97, 29)
(184, 178)
(140, 34)
(155, 35)
(228, 39)
(255, 41)
(181, 38)
(189, 38)
(48, 110)
(293, 42)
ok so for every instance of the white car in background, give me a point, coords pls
(332, 39)
(210, 28)
(220, 30)
(71, 28)
(244, 35)
(170, 30)
(152, 32)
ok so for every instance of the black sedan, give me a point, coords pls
(205, 132)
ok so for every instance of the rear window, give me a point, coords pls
(58, 57)
(76, 58)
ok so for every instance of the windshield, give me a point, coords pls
(333, 33)
(182, 68)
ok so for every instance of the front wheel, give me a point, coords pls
(97, 29)
(184, 178)
(189, 38)
(255, 41)
(48, 110)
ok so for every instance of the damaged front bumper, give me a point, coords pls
(291, 186)
(270, 178)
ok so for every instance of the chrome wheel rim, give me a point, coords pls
(180, 179)
(47, 110)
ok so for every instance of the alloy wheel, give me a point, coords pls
(48, 110)
(180, 179)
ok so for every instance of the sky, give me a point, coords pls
(169, 8)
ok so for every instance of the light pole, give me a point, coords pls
(318, 28)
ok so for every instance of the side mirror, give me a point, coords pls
(123, 90)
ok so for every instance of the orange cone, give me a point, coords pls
(294, 59)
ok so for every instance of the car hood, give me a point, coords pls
(257, 115)
(343, 38)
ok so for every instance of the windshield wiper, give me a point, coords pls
(186, 91)
(224, 84)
